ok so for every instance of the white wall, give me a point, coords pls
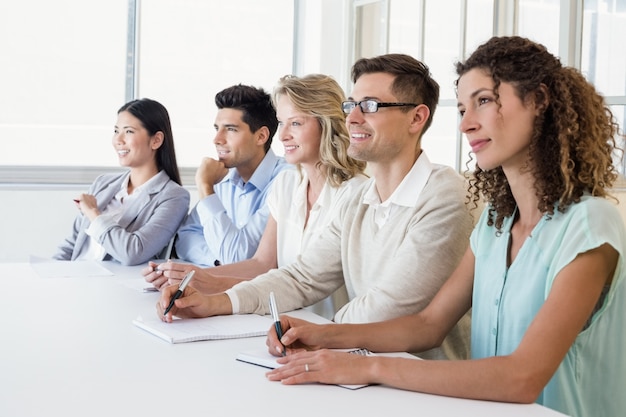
(35, 220)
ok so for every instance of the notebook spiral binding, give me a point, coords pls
(361, 351)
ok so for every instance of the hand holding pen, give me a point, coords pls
(88, 205)
(179, 292)
(298, 334)
(277, 326)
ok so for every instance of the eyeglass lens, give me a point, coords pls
(367, 106)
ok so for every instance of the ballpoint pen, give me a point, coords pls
(277, 326)
(180, 290)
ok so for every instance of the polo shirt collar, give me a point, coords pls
(408, 191)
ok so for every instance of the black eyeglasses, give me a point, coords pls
(370, 106)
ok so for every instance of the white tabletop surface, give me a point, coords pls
(68, 348)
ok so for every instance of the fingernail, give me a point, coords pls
(279, 349)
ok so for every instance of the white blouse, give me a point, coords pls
(287, 202)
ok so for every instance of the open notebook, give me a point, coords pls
(262, 357)
(209, 328)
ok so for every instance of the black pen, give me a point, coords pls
(180, 290)
(277, 326)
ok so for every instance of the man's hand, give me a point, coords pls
(209, 173)
(192, 304)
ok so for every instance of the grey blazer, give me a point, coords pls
(145, 227)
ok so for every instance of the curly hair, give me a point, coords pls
(321, 96)
(573, 140)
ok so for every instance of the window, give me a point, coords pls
(539, 21)
(441, 33)
(62, 80)
(603, 58)
(65, 70)
(190, 50)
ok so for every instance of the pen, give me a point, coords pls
(274, 311)
(179, 292)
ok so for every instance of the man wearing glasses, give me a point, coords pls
(400, 237)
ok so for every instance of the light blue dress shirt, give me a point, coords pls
(591, 379)
(227, 226)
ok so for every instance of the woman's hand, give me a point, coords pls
(153, 274)
(298, 335)
(88, 205)
(324, 366)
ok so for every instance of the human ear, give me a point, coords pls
(421, 113)
(262, 135)
(541, 99)
(157, 140)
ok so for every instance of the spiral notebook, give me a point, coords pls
(209, 328)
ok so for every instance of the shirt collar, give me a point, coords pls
(408, 191)
(262, 175)
(123, 192)
(323, 200)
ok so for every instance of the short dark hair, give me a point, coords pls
(256, 105)
(413, 82)
(155, 118)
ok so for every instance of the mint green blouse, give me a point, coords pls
(592, 377)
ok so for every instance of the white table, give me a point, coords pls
(68, 348)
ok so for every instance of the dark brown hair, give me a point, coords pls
(256, 106)
(573, 138)
(413, 82)
(155, 118)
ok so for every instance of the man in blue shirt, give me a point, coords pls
(227, 223)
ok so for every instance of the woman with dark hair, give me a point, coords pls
(131, 216)
(544, 273)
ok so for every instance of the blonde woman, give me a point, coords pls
(302, 201)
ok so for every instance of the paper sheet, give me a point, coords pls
(208, 328)
(47, 268)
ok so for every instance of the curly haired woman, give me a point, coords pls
(544, 274)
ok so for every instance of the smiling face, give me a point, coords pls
(499, 133)
(134, 146)
(237, 146)
(300, 133)
(382, 136)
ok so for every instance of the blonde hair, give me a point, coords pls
(321, 96)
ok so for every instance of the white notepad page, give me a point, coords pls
(209, 328)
